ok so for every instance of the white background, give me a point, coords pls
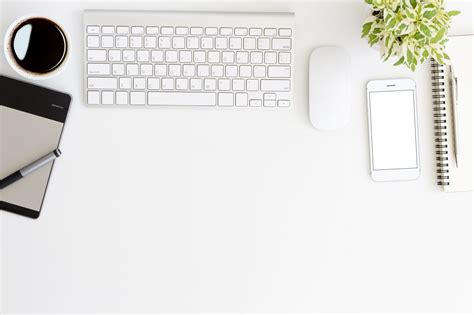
(186, 210)
(393, 129)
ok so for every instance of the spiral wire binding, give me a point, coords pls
(440, 123)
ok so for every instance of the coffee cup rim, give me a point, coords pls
(9, 54)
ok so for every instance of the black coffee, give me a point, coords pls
(38, 45)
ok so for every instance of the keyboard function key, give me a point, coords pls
(255, 32)
(137, 30)
(284, 32)
(196, 31)
(226, 31)
(93, 29)
(240, 31)
(211, 31)
(108, 29)
(167, 30)
(182, 31)
(123, 30)
(270, 32)
(152, 30)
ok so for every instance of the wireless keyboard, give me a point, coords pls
(188, 59)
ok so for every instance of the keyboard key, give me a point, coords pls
(125, 83)
(115, 55)
(167, 30)
(164, 42)
(270, 57)
(275, 85)
(283, 103)
(250, 43)
(93, 29)
(226, 31)
(242, 57)
(241, 99)
(210, 84)
(93, 41)
(213, 57)
(255, 103)
(96, 55)
(102, 83)
(174, 70)
(121, 98)
(171, 56)
(146, 70)
(235, 43)
(227, 57)
(217, 71)
(167, 84)
(188, 70)
(281, 43)
(181, 99)
(269, 103)
(123, 29)
(221, 43)
(118, 69)
(98, 69)
(107, 97)
(150, 42)
(157, 56)
(211, 30)
(121, 41)
(108, 29)
(152, 30)
(240, 31)
(252, 85)
(224, 85)
(143, 55)
(137, 30)
(245, 71)
(93, 97)
(279, 72)
(284, 32)
(178, 42)
(238, 85)
(270, 32)
(255, 32)
(196, 84)
(256, 57)
(139, 83)
(107, 41)
(137, 98)
(226, 99)
(263, 43)
(192, 42)
(284, 58)
(207, 43)
(203, 70)
(259, 71)
(181, 84)
(153, 84)
(132, 69)
(136, 42)
(231, 71)
(160, 70)
(128, 55)
(199, 56)
(185, 56)
(181, 31)
(196, 31)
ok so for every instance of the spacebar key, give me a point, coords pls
(181, 99)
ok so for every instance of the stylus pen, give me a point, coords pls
(453, 83)
(10, 179)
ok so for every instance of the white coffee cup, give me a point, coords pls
(9, 53)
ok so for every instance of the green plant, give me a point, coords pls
(410, 30)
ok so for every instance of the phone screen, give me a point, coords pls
(393, 130)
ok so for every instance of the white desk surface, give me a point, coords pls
(189, 210)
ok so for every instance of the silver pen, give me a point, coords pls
(10, 179)
(453, 84)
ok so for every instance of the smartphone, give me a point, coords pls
(393, 130)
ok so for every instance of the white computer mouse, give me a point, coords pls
(330, 96)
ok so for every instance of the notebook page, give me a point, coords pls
(460, 49)
(24, 138)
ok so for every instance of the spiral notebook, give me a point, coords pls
(453, 174)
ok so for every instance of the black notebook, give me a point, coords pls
(31, 123)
